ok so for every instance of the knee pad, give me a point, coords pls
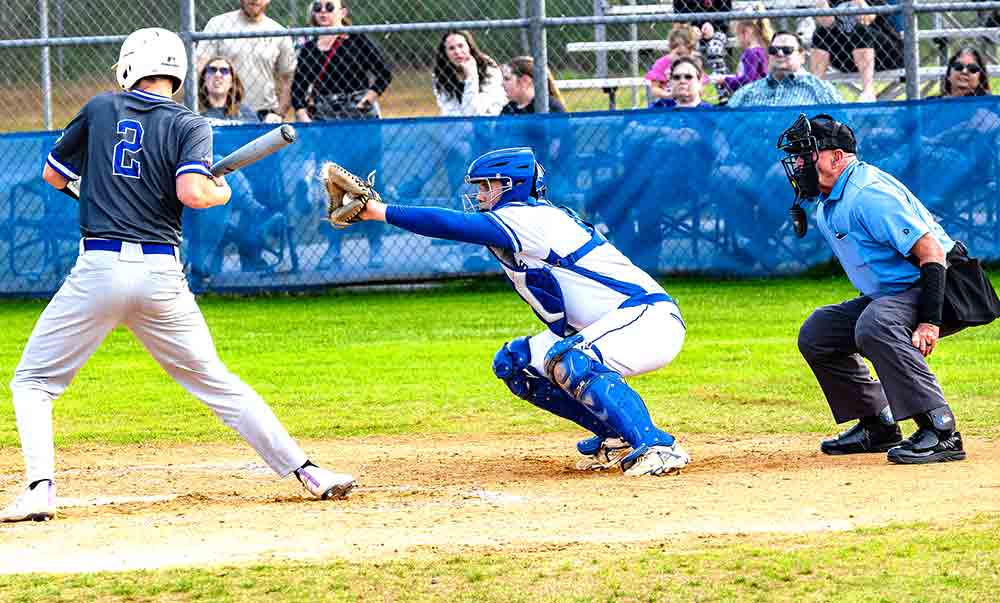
(512, 358)
(557, 351)
(574, 371)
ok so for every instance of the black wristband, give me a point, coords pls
(932, 280)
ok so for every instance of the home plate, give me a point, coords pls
(112, 500)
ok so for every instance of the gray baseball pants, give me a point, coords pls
(834, 339)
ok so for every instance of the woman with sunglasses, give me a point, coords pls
(683, 42)
(519, 84)
(221, 94)
(966, 75)
(686, 76)
(466, 80)
(338, 76)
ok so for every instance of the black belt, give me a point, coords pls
(115, 245)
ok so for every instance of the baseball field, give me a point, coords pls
(468, 494)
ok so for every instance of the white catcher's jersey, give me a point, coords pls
(599, 280)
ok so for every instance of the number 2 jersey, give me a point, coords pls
(129, 148)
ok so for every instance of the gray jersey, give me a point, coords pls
(129, 148)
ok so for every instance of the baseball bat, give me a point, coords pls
(255, 150)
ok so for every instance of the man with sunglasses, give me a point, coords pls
(266, 65)
(787, 82)
(895, 253)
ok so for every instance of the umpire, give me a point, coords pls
(894, 253)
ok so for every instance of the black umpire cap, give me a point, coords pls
(831, 134)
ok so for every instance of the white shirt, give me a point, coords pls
(597, 284)
(488, 101)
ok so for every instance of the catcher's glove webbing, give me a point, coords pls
(347, 194)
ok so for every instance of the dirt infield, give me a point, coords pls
(157, 506)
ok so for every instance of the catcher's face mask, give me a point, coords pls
(485, 193)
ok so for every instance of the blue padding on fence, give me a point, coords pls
(679, 192)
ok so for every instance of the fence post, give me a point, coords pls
(191, 79)
(43, 32)
(522, 12)
(911, 50)
(540, 52)
(601, 35)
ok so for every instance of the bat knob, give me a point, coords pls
(289, 133)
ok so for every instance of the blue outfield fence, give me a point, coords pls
(679, 192)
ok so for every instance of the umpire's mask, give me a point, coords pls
(802, 142)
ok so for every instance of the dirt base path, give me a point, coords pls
(158, 505)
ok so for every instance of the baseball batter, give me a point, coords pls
(606, 318)
(140, 158)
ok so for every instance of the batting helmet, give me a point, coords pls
(518, 171)
(151, 51)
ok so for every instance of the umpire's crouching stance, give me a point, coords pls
(896, 254)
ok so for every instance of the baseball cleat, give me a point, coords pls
(323, 484)
(658, 460)
(606, 453)
(34, 504)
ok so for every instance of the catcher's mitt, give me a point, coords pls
(347, 194)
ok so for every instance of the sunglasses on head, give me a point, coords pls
(682, 76)
(971, 68)
(785, 50)
(324, 7)
(211, 70)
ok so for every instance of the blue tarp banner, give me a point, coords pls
(677, 191)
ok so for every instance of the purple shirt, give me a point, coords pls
(753, 66)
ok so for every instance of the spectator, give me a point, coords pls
(682, 42)
(856, 43)
(519, 84)
(338, 76)
(787, 82)
(706, 6)
(266, 64)
(753, 36)
(686, 83)
(220, 94)
(966, 75)
(466, 81)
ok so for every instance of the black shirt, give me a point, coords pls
(356, 65)
(511, 108)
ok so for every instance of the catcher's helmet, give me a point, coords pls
(523, 178)
(151, 51)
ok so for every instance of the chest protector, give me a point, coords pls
(539, 288)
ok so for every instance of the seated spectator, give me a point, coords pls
(266, 64)
(220, 94)
(856, 43)
(466, 81)
(753, 36)
(685, 83)
(519, 84)
(682, 42)
(338, 76)
(966, 75)
(787, 83)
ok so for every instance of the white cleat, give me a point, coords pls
(323, 484)
(609, 455)
(660, 460)
(37, 504)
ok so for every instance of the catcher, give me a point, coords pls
(606, 318)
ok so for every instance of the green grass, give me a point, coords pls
(923, 563)
(418, 361)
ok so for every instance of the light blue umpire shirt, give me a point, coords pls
(872, 221)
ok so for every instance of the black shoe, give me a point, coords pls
(866, 436)
(928, 445)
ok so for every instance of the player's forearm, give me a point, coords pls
(199, 192)
(449, 224)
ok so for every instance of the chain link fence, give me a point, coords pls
(406, 63)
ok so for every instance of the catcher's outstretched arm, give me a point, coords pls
(442, 223)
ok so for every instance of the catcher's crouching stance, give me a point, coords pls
(606, 318)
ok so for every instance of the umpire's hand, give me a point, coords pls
(925, 337)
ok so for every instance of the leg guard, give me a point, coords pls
(605, 393)
(511, 364)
